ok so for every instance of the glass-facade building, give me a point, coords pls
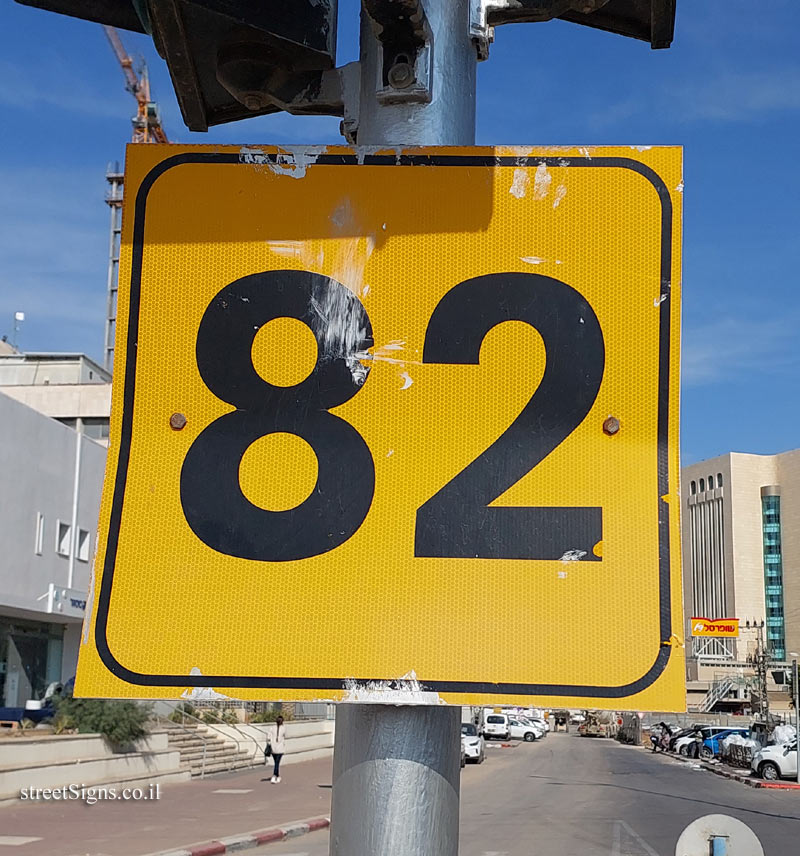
(773, 572)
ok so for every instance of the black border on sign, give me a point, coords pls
(421, 160)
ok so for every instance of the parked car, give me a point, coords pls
(682, 744)
(776, 762)
(496, 725)
(523, 730)
(576, 717)
(540, 726)
(683, 732)
(712, 745)
(463, 751)
(474, 745)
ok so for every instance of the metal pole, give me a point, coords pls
(396, 780)
(114, 201)
(796, 715)
(449, 118)
(76, 495)
(396, 767)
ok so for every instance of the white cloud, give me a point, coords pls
(738, 96)
(723, 349)
(50, 87)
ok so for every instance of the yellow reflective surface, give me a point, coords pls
(399, 236)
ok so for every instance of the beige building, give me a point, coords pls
(741, 559)
(70, 388)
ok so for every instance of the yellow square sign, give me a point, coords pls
(377, 412)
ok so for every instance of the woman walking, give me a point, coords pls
(278, 748)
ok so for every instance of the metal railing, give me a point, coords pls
(193, 733)
(227, 737)
(719, 690)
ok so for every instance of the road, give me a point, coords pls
(573, 796)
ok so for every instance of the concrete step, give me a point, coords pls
(215, 754)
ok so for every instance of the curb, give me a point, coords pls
(738, 777)
(234, 843)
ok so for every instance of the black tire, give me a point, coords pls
(529, 737)
(706, 754)
(481, 757)
(684, 750)
(769, 771)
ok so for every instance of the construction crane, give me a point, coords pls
(147, 121)
(146, 129)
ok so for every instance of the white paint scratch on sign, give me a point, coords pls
(405, 690)
(532, 260)
(519, 186)
(573, 555)
(541, 182)
(659, 300)
(561, 192)
(201, 693)
(338, 328)
(292, 161)
(406, 380)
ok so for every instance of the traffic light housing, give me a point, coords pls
(230, 59)
(650, 20)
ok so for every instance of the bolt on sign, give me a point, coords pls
(384, 411)
(716, 627)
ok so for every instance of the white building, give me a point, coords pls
(50, 483)
(71, 388)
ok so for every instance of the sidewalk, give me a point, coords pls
(734, 773)
(187, 812)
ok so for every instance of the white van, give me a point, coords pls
(496, 725)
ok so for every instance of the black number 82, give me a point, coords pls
(456, 521)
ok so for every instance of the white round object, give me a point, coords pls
(695, 839)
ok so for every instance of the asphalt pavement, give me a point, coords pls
(573, 796)
(561, 796)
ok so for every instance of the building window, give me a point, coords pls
(702, 485)
(63, 532)
(83, 545)
(693, 487)
(719, 479)
(711, 482)
(39, 543)
(773, 575)
(96, 428)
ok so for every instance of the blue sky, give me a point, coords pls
(728, 91)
